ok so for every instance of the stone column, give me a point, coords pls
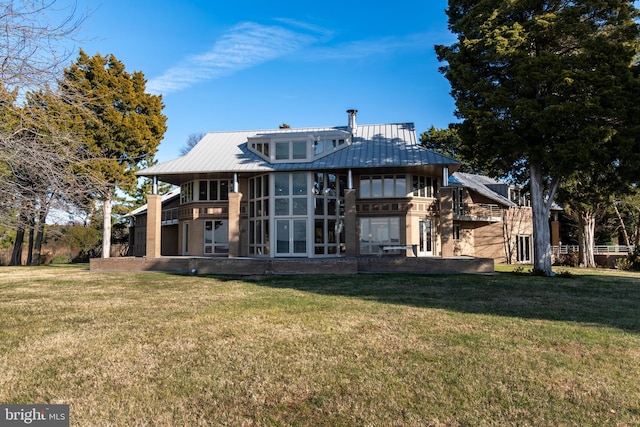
(446, 221)
(350, 223)
(154, 219)
(234, 224)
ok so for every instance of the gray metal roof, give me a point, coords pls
(373, 146)
(481, 185)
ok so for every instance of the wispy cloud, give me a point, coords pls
(250, 44)
(243, 46)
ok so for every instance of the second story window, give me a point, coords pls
(378, 186)
(425, 186)
(213, 190)
(186, 192)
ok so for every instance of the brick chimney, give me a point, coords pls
(352, 120)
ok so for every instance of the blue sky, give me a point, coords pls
(257, 64)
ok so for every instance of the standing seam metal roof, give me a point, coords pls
(372, 146)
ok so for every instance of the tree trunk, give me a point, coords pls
(106, 228)
(622, 226)
(540, 208)
(44, 211)
(16, 254)
(32, 225)
(586, 239)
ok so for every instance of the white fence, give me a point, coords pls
(598, 249)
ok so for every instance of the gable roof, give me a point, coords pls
(372, 146)
(482, 185)
(173, 194)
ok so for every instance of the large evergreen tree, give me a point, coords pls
(541, 88)
(123, 123)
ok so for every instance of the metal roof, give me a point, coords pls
(480, 184)
(372, 146)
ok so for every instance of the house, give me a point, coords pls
(491, 219)
(327, 192)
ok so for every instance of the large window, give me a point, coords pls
(376, 232)
(213, 190)
(259, 215)
(378, 186)
(291, 150)
(186, 192)
(328, 206)
(523, 248)
(425, 186)
(216, 237)
(290, 196)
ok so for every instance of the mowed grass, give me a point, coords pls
(136, 349)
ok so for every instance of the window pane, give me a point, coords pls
(282, 207)
(401, 186)
(202, 193)
(299, 149)
(221, 237)
(299, 205)
(318, 147)
(299, 236)
(213, 190)
(299, 184)
(319, 202)
(376, 186)
(388, 190)
(319, 231)
(365, 186)
(224, 190)
(282, 150)
(282, 236)
(282, 184)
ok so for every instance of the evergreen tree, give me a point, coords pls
(542, 88)
(123, 124)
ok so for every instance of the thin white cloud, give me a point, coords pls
(245, 45)
(249, 44)
(362, 49)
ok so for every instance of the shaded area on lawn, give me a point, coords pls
(608, 301)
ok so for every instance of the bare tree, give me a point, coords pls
(192, 140)
(33, 46)
(37, 147)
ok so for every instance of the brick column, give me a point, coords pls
(154, 219)
(446, 221)
(350, 223)
(234, 224)
(555, 230)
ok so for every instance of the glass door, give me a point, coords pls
(426, 241)
(291, 237)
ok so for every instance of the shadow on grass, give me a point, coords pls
(598, 300)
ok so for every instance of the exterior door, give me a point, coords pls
(425, 248)
(291, 237)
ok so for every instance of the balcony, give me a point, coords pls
(169, 216)
(477, 212)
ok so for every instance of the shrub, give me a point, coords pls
(567, 260)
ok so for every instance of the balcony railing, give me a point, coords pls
(478, 212)
(169, 216)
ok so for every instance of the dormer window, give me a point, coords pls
(289, 147)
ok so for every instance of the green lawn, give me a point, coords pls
(127, 349)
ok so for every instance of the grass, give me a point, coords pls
(380, 350)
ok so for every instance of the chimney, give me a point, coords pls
(352, 120)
